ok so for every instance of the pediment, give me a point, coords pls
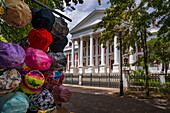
(91, 20)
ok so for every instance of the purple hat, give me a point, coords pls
(11, 55)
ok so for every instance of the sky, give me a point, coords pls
(82, 10)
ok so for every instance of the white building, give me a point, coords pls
(85, 55)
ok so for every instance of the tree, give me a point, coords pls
(137, 19)
(12, 34)
(159, 50)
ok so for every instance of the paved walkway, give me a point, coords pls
(102, 100)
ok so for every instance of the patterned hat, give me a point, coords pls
(14, 103)
(11, 55)
(41, 101)
(43, 18)
(61, 94)
(32, 82)
(40, 36)
(37, 59)
(9, 80)
(53, 78)
(59, 60)
(17, 13)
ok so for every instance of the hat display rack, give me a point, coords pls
(31, 71)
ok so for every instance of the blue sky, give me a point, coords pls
(82, 10)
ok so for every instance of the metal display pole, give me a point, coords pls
(43, 5)
(121, 80)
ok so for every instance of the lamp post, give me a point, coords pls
(121, 80)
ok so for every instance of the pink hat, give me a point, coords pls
(37, 59)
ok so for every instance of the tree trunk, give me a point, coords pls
(144, 45)
(166, 70)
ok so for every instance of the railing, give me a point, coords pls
(155, 80)
(99, 80)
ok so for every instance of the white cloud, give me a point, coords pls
(82, 10)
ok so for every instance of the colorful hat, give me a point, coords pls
(9, 80)
(14, 103)
(37, 59)
(41, 101)
(17, 13)
(40, 39)
(59, 60)
(11, 55)
(24, 43)
(32, 82)
(61, 94)
(53, 78)
(60, 27)
(2, 7)
(43, 18)
(58, 44)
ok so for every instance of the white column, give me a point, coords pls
(132, 56)
(102, 55)
(72, 53)
(116, 52)
(78, 53)
(87, 57)
(91, 50)
(81, 52)
(68, 64)
(107, 53)
(96, 58)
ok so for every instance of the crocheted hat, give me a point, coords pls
(9, 80)
(53, 78)
(41, 101)
(11, 55)
(37, 59)
(32, 82)
(40, 39)
(17, 13)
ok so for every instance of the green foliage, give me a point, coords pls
(12, 34)
(159, 49)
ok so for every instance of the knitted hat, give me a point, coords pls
(17, 13)
(59, 60)
(9, 80)
(60, 27)
(40, 39)
(41, 101)
(58, 44)
(14, 103)
(61, 94)
(53, 78)
(43, 18)
(11, 55)
(32, 82)
(37, 59)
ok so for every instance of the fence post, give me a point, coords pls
(72, 79)
(109, 81)
(90, 79)
(125, 76)
(162, 80)
(80, 79)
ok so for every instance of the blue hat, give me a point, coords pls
(14, 103)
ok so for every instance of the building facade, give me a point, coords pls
(86, 55)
